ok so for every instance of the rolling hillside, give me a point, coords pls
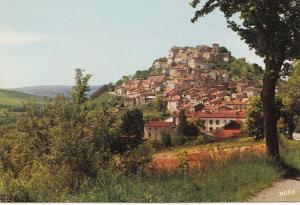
(9, 98)
(51, 90)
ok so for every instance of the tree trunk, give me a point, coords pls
(269, 108)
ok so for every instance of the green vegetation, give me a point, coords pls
(291, 153)
(239, 68)
(272, 29)
(82, 150)
(11, 105)
(253, 126)
(104, 98)
(223, 49)
(103, 89)
(133, 125)
(287, 109)
(250, 172)
(229, 143)
(189, 128)
(144, 74)
(13, 99)
(291, 100)
(152, 112)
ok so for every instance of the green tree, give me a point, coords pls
(142, 74)
(272, 28)
(239, 68)
(166, 138)
(291, 99)
(123, 80)
(195, 125)
(182, 123)
(133, 124)
(81, 87)
(159, 103)
(223, 49)
(254, 126)
(105, 88)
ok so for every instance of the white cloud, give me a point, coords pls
(11, 37)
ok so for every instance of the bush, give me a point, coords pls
(290, 151)
(177, 139)
(50, 184)
(13, 190)
(199, 140)
(155, 144)
(137, 160)
(166, 139)
(151, 116)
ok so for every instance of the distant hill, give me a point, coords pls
(51, 90)
(9, 98)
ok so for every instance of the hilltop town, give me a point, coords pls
(197, 80)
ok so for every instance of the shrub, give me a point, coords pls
(49, 184)
(290, 152)
(177, 139)
(166, 139)
(13, 190)
(155, 144)
(197, 141)
(137, 160)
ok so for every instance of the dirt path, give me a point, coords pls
(286, 190)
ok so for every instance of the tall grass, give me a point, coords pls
(233, 180)
(290, 152)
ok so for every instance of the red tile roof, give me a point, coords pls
(158, 124)
(218, 114)
(174, 98)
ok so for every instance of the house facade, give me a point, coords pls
(154, 129)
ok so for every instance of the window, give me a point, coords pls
(211, 122)
(210, 129)
(149, 135)
(217, 122)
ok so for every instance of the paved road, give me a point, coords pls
(285, 190)
(296, 136)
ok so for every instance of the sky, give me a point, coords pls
(42, 42)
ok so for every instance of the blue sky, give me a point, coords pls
(43, 41)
